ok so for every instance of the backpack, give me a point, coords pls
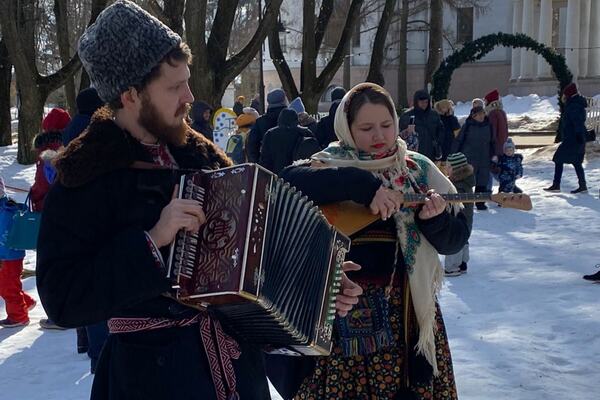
(305, 147)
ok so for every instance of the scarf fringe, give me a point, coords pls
(428, 325)
(363, 346)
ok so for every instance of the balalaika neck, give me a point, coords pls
(449, 197)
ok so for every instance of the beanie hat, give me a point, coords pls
(457, 160)
(492, 96)
(477, 102)
(338, 93)
(122, 47)
(509, 144)
(56, 120)
(252, 111)
(276, 98)
(244, 120)
(297, 105)
(88, 101)
(570, 90)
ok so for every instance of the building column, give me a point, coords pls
(573, 33)
(515, 60)
(594, 53)
(527, 27)
(584, 38)
(545, 37)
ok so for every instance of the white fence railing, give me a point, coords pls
(592, 120)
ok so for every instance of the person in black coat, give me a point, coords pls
(445, 108)
(201, 112)
(572, 148)
(325, 132)
(276, 103)
(427, 124)
(87, 104)
(280, 143)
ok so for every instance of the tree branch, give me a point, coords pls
(218, 41)
(324, 16)
(281, 65)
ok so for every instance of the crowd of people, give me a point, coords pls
(103, 272)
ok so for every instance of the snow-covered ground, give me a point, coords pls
(522, 323)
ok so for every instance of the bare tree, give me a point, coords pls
(62, 34)
(18, 23)
(311, 85)
(436, 22)
(375, 74)
(215, 66)
(5, 81)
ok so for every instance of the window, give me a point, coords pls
(464, 29)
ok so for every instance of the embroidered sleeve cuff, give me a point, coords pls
(155, 251)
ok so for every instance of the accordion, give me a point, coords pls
(266, 262)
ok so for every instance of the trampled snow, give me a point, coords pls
(522, 323)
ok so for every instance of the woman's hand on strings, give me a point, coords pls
(349, 291)
(178, 214)
(434, 205)
(386, 202)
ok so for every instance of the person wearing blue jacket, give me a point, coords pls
(87, 104)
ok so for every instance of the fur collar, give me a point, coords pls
(105, 147)
(461, 173)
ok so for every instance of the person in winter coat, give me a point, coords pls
(498, 120)
(445, 108)
(509, 168)
(236, 144)
(325, 133)
(476, 142)
(108, 225)
(461, 175)
(573, 130)
(238, 105)
(201, 113)
(87, 104)
(276, 103)
(17, 302)
(427, 124)
(280, 143)
(46, 144)
(380, 351)
(255, 103)
(304, 119)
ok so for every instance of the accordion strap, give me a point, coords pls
(147, 165)
(220, 348)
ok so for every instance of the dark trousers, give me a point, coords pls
(97, 335)
(558, 170)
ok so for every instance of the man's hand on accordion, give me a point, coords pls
(349, 291)
(178, 214)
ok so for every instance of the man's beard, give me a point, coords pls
(151, 120)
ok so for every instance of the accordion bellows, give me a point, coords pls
(266, 260)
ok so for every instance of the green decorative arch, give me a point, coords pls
(477, 49)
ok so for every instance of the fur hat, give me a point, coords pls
(122, 47)
(457, 160)
(492, 96)
(56, 120)
(244, 120)
(443, 104)
(570, 90)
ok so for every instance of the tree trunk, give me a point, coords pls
(375, 74)
(211, 71)
(402, 62)
(62, 34)
(436, 22)
(5, 80)
(313, 86)
(31, 112)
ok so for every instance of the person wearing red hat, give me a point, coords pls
(572, 131)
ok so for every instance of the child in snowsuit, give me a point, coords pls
(509, 168)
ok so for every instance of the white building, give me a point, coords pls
(572, 27)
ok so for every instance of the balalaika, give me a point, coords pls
(266, 260)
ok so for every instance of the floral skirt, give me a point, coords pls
(380, 374)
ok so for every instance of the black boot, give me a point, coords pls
(553, 188)
(580, 189)
(593, 277)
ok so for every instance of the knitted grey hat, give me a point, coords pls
(122, 47)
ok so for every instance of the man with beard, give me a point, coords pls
(112, 214)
